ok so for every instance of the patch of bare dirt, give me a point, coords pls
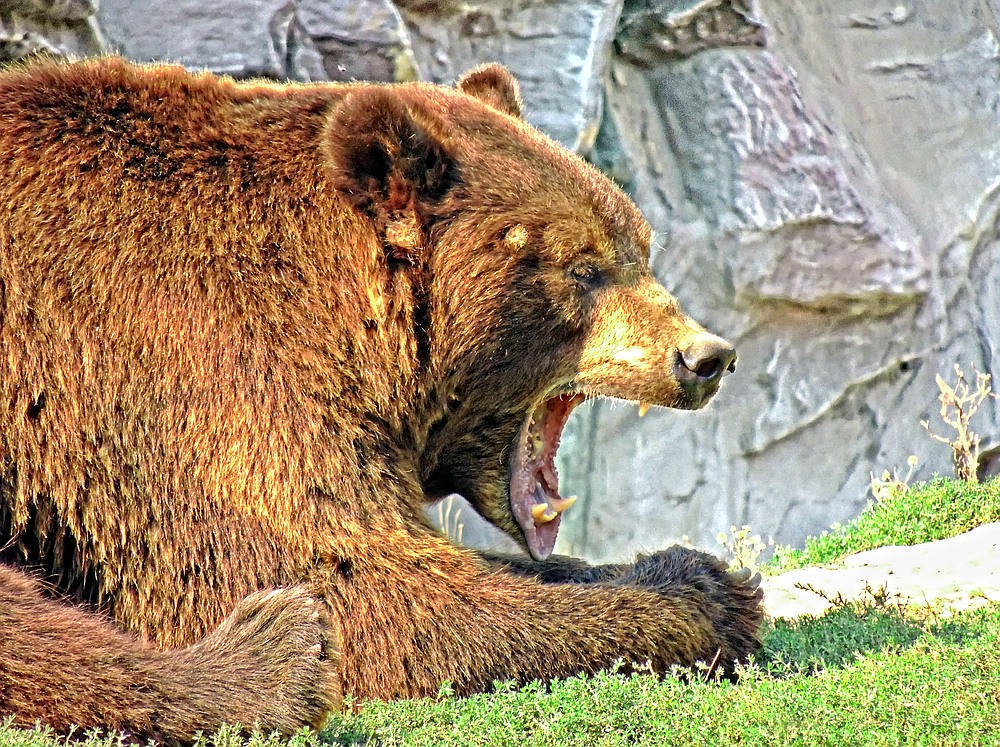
(951, 574)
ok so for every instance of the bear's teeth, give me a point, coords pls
(543, 513)
(561, 504)
(643, 409)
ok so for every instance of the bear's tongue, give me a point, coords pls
(534, 485)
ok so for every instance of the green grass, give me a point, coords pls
(927, 511)
(866, 673)
(935, 686)
(861, 675)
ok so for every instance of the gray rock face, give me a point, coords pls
(558, 49)
(781, 236)
(806, 221)
(357, 41)
(242, 38)
(651, 32)
(59, 27)
(824, 178)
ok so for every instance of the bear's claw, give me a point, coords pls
(731, 600)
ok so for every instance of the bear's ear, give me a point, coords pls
(494, 85)
(386, 156)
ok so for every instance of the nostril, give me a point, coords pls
(709, 369)
(709, 358)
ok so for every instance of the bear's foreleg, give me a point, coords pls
(272, 663)
(411, 617)
(677, 572)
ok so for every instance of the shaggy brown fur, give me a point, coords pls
(270, 663)
(248, 332)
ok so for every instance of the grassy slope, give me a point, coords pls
(927, 511)
(863, 674)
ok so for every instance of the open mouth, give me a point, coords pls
(534, 484)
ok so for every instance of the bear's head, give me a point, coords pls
(530, 287)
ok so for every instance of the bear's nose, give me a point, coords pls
(707, 357)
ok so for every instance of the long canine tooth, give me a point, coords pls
(543, 513)
(643, 409)
(561, 504)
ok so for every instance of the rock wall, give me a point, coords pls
(824, 177)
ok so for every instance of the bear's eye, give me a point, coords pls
(587, 273)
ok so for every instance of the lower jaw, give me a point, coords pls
(533, 480)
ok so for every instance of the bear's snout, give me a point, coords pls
(706, 359)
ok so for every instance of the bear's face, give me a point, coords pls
(532, 291)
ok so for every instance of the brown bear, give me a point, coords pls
(248, 332)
